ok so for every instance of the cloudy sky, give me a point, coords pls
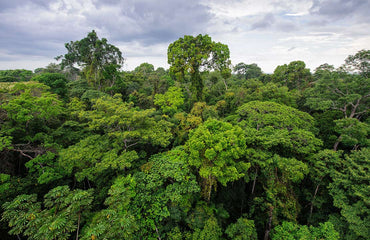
(266, 32)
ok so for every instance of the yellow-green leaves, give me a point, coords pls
(32, 101)
(170, 101)
(292, 231)
(126, 124)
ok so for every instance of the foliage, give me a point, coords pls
(344, 92)
(247, 71)
(295, 75)
(350, 191)
(353, 133)
(359, 63)
(18, 75)
(243, 229)
(59, 218)
(99, 59)
(210, 231)
(278, 139)
(30, 114)
(170, 101)
(56, 81)
(117, 126)
(216, 149)
(116, 221)
(85, 155)
(141, 205)
(291, 231)
(254, 90)
(191, 55)
(45, 167)
(30, 102)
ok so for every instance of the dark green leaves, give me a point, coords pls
(98, 58)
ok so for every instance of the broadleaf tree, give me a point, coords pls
(193, 55)
(96, 56)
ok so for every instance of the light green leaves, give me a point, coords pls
(292, 231)
(216, 149)
(170, 101)
(5, 142)
(126, 124)
(353, 132)
(117, 128)
(93, 155)
(259, 114)
(31, 101)
(295, 75)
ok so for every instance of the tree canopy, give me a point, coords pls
(90, 151)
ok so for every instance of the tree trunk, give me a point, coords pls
(335, 147)
(224, 80)
(78, 224)
(156, 229)
(314, 196)
(210, 188)
(354, 108)
(254, 181)
(268, 226)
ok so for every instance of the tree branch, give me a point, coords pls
(22, 153)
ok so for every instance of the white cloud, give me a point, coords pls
(298, 14)
(243, 8)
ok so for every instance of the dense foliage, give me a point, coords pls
(88, 151)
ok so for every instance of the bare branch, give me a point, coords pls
(22, 153)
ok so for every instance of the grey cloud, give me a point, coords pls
(155, 21)
(23, 44)
(267, 21)
(40, 32)
(286, 26)
(339, 9)
(274, 22)
(318, 22)
(100, 3)
(11, 4)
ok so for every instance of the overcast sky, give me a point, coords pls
(269, 33)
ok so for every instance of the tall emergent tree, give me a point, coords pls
(194, 55)
(97, 58)
(347, 93)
